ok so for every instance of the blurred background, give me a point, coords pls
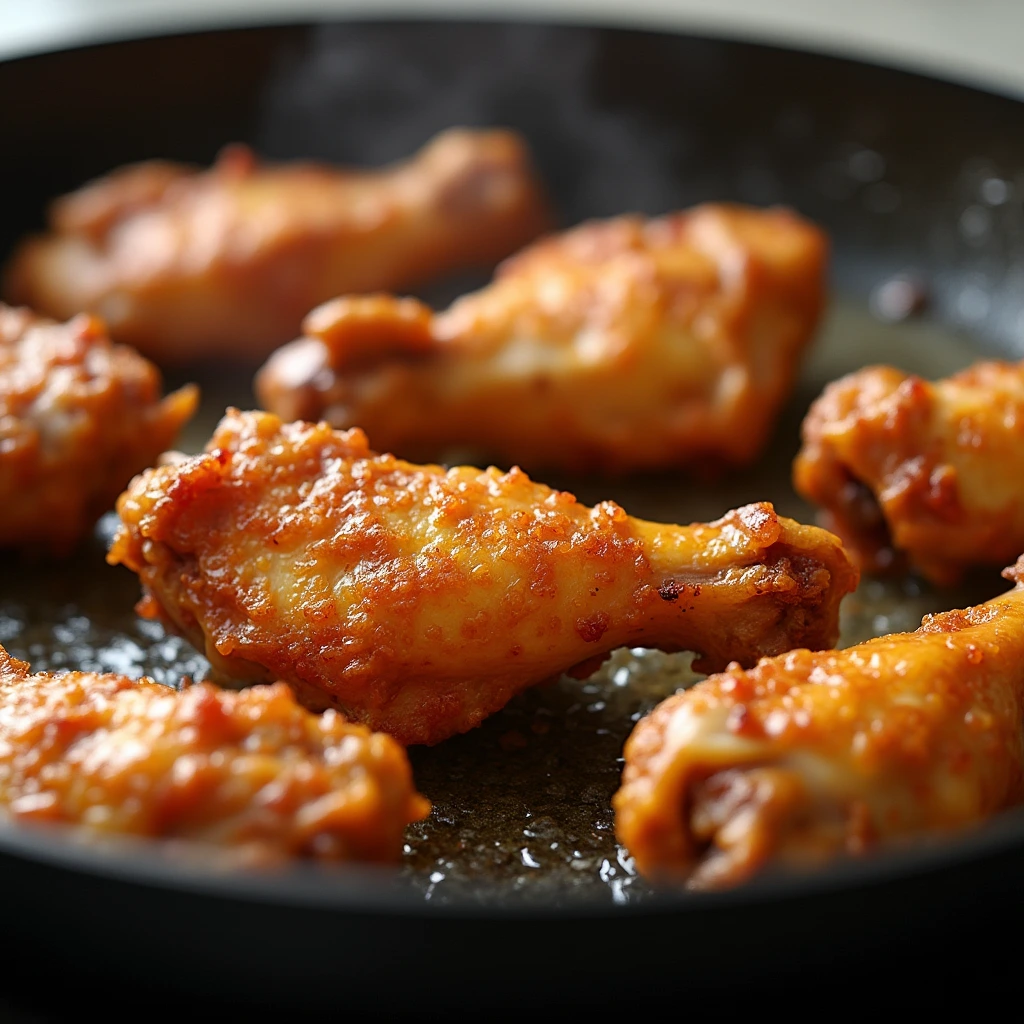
(975, 41)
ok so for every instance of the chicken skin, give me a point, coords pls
(186, 264)
(419, 600)
(623, 345)
(811, 755)
(252, 771)
(926, 473)
(78, 418)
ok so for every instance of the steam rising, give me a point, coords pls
(366, 94)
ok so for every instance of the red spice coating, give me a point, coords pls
(250, 771)
(420, 600)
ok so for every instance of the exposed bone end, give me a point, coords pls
(348, 334)
(365, 329)
(1015, 572)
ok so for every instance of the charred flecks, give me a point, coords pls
(672, 591)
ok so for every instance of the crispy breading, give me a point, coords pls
(930, 473)
(78, 418)
(809, 756)
(251, 771)
(187, 264)
(620, 345)
(419, 599)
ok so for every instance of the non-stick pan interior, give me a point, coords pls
(909, 176)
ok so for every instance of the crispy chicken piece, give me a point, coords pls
(78, 418)
(251, 771)
(908, 470)
(419, 600)
(624, 345)
(808, 756)
(185, 263)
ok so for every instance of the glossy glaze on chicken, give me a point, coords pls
(623, 345)
(187, 264)
(809, 756)
(251, 772)
(79, 416)
(930, 474)
(420, 599)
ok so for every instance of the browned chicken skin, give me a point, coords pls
(811, 755)
(419, 600)
(932, 473)
(622, 345)
(251, 771)
(78, 418)
(225, 262)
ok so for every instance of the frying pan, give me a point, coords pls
(908, 175)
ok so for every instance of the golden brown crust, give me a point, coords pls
(620, 345)
(420, 600)
(811, 755)
(78, 418)
(186, 264)
(251, 771)
(925, 472)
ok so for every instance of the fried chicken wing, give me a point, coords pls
(932, 472)
(78, 418)
(624, 345)
(811, 755)
(251, 771)
(185, 263)
(419, 600)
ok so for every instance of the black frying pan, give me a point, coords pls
(907, 174)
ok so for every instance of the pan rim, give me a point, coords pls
(379, 890)
(171, 18)
(360, 889)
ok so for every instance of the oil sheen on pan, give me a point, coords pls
(522, 804)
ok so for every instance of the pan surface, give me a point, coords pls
(515, 884)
